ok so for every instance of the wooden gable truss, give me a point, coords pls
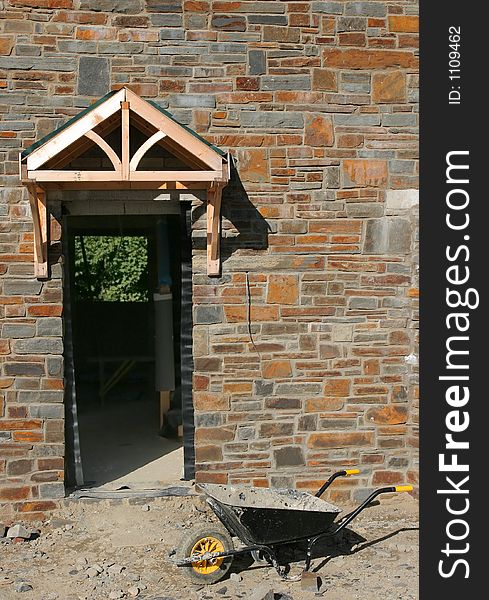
(46, 164)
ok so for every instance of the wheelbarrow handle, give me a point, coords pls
(327, 483)
(349, 518)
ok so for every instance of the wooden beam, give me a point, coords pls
(143, 149)
(108, 176)
(175, 131)
(75, 131)
(214, 196)
(105, 147)
(125, 140)
(37, 201)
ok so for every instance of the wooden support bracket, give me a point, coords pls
(37, 201)
(214, 196)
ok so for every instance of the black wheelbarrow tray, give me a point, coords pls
(262, 519)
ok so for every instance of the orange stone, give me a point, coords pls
(389, 87)
(253, 165)
(236, 314)
(337, 387)
(6, 44)
(319, 130)
(365, 173)
(283, 289)
(207, 401)
(404, 23)
(393, 414)
(324, 79)
(277, 368)
(342, 439)
(323, 404)
(368, 59)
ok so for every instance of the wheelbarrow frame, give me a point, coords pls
(233, 525)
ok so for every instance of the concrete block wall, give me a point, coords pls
(317, 102)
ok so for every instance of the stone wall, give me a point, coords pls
(317, 102)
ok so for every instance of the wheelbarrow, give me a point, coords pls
(263, 520)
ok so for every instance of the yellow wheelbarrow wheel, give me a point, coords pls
(201, 540)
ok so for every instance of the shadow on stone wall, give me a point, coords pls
(251, 227)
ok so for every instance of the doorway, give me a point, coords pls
(125, 423)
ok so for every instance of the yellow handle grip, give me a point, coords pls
(352, 471)
(404, 488)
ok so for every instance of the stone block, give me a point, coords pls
(389, 235)
(272, 120)
(284, 35)
(289, 456)
(401, 199)
(38, 346)
(324, 79)
(93, 76)
(318, 130)
(257, 64)
(18, 330)
(208, 314)
(367, 9)
(364, 173)
(50, 327)
(392, 414)
(130, 7)
(389, 87)
(172, 34)
(283, 289)
(330, 8)
(399, 120)
(363, 303)
(344, 439)
(22, 287)
(253, 165)
(344, 24)
(193, 101)
(228, 23)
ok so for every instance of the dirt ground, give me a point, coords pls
(111, 549)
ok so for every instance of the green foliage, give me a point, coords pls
(111, 269)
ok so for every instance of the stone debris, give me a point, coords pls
(116, 595)
(133, 592)
(3, 530)
(115, 570)
(23, 587)
(311, 582)
(18, 532)
(236, 577)
(262, 592)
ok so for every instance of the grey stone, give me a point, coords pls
(267, 19)
(390, 235)
(46, 411)
(51, 490)
(54, 365)
(401, 199)
(27, 50)
(172, 34)
(233, 23)
(229, 47)
(367, 9)
(192, 101)
(166, 20)
(363, 303)
(399, 120)
(120, 47)
(307, 423)
(257, 62)
(259, 7)
(360, 119)
(23, 587)
(18, 330)
(18, 531)
(281, 481)
(264, 119)
(331, 8)
(77, 46)
(22, 287)
(246, 433)
(351, 24)
(93, 76)
(402, 167)
(50, 327)
(208, 420)
(3, 530)
(164, 6)
(289, 456)
(298, 388)
(331, 178)
(263, 388)
(263, 592)
(286, 82)
(364, 209)
(39, 346)
(207, 314)
(24, 369)
(128, 7)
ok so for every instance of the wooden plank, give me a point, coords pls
(37, 201)
(75, 131)
(124, 185)
(214, 196)
(204, 177)
(143, 149)
(62, 176)
(109, 151)
(182, 176)
(125, 140)
(175, 131)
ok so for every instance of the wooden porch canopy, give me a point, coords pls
(124, 130)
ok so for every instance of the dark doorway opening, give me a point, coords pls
(124, 326)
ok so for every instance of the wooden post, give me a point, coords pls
(125, 140)
(214, 196)
(37, 201)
